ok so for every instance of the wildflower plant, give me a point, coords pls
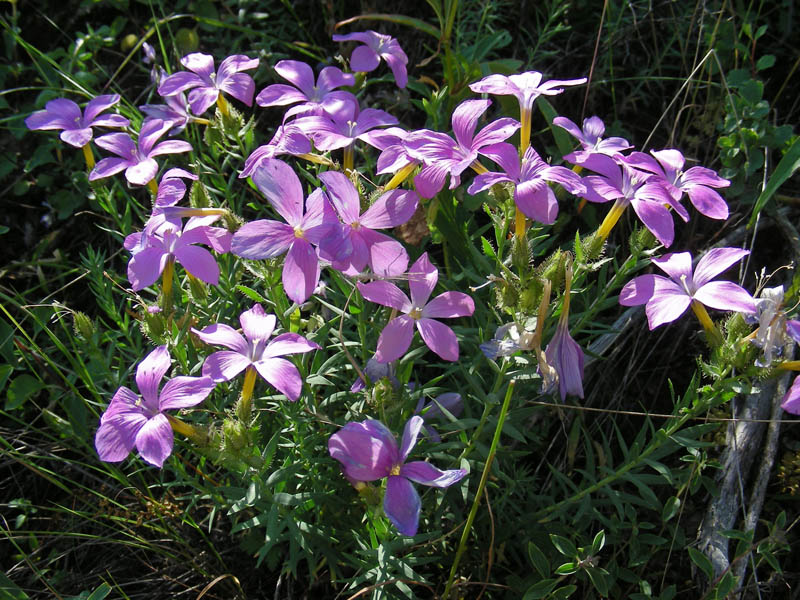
(299, 225)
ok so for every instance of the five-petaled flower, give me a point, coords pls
(418, 311)
(131, 420)
(368, 451)
(666, 299)
(253, 350)
(441, 155)
(206, 85)
(137, 159)
(377, 46)
(266, 238)
(314, 97)
(64, 114)
(532, 194)
(365, 246)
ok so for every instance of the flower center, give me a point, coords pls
(685, 285)
(299, 233)
(355, 225)
(416, 313)
(395, 470)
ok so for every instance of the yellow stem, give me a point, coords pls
(714, 336)
(88, 155)
(611, 218)
(567, 288)
(520, 225)
(166, 285)
(348, 158)
(222, 104)
(245, 401)
(202, 212)
(200, 121)
(316, 158)
(790, 365)
(525, 130)
(400, 176)
(478, 167)
(153, 187)
(186, 430)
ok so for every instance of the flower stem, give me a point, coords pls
(714, 336)
(88, 155)
(316, 158)
(462, 544)
(190, 431)
(222, 104)
(348, 158)
(153, 186)
(243, 409)
(790, 365)
(400, 176)
(166, 285)
(525, 130)
(611, 219)
(478, 167)
(520, 224)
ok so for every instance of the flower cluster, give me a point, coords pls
(335, 226)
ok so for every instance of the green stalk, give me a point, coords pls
(462, 544)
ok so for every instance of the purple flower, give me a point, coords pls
(314, 97)
(697, 182)
(791, 401)
(644, 192)
(342, 127)
(566, 356)
(368, 451)
(667, 299)
(531, 193)
(773, 327)
(526, 87)
(253, 350)
(206, 84)
(136, 159)
(131, 420)
(267, 239)
(174, 111)
(77, 128)
(591, 140)
(288, 139)
(384, 255)
(377, 46)
(164, 241)
(519, 339)
(441, 155)
(396, 336)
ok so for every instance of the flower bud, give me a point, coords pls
(82, 325)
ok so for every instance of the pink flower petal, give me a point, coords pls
(149, 374)
(154, 440)
(219, 334)
(439, 338)
(402, 504)
(449, 305)
(726, 295)
(282, 375)
(300, 271)
(184, 391)
(385, 293)
(395, 339)
(367, 451)
(426, 474)
(224, 365)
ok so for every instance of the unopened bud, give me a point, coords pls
(82, 325)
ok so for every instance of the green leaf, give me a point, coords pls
(538, 560)
(22, 388)
(567, 568)
(487, 248)
(671, 507)
(399, 19)
(599, 541)
(540, 589)
(599, 580)
(563, 545)
(5, 372)
(725, 586)
(100, 593)
(702, 562)
(563, 592)
(785, 169)
(250, 293)
(10, 589)
(765, 62)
